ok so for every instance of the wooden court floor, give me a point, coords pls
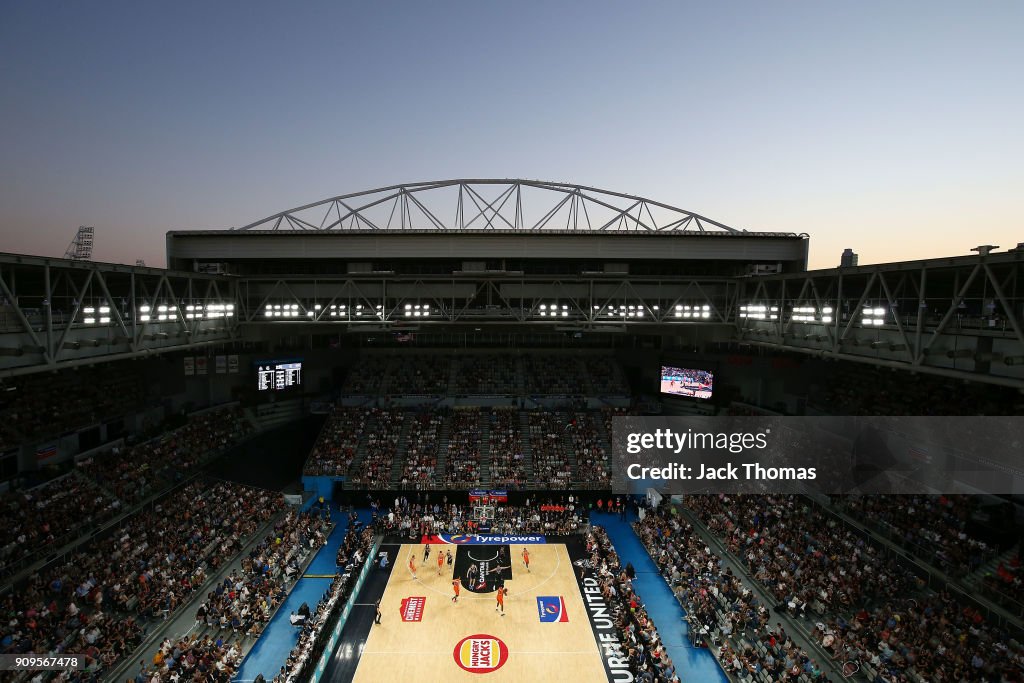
(415, 652)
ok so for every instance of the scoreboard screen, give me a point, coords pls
(274, 375)
(686, 382)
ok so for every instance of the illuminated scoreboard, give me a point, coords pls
(278, 375)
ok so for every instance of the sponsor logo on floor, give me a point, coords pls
(480, 653)
(412, 608)
(551, 608)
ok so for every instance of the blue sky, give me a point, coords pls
(891, 128)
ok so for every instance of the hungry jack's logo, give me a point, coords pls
(480, 653)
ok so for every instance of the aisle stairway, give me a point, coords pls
(442, 449)
(401, 454)
(563, 418)
(974, 579)
(485, 448)
(524, 435)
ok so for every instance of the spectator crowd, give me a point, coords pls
(98, 599)
(462, 463)
(552, 462)
(860, 604)
(421, 449)
(638, 638)
(505, 444)
(723, 612)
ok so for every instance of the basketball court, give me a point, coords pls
(424, 636)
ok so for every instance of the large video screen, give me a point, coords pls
(278, 375)
(686, 382)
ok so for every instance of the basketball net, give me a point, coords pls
(482, 513)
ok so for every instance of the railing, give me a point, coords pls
(332, 641)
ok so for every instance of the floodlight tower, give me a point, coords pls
(80, 248)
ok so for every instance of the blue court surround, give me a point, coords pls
(692, 664)
(271, 649)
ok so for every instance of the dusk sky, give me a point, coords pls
(892, 128)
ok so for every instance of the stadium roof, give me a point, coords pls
(485, 205)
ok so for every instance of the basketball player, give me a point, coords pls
(440, 562)
(412, 565)
(449, 558)
(456, 585)
(502, 592)
(526, 559)
(377, 618)
(471, 575)
(426, 553)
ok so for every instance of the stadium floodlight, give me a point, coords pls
(654, 307)
(679, 307)
(317, 307)
(408, 314)
(144, 318)
(408, 307)
(90, 321)
(310, 314)
(543, 307)
(705, 314)
(565, 314)
(105, 320)
(89, 309)
(705, 307)
(426, 307)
